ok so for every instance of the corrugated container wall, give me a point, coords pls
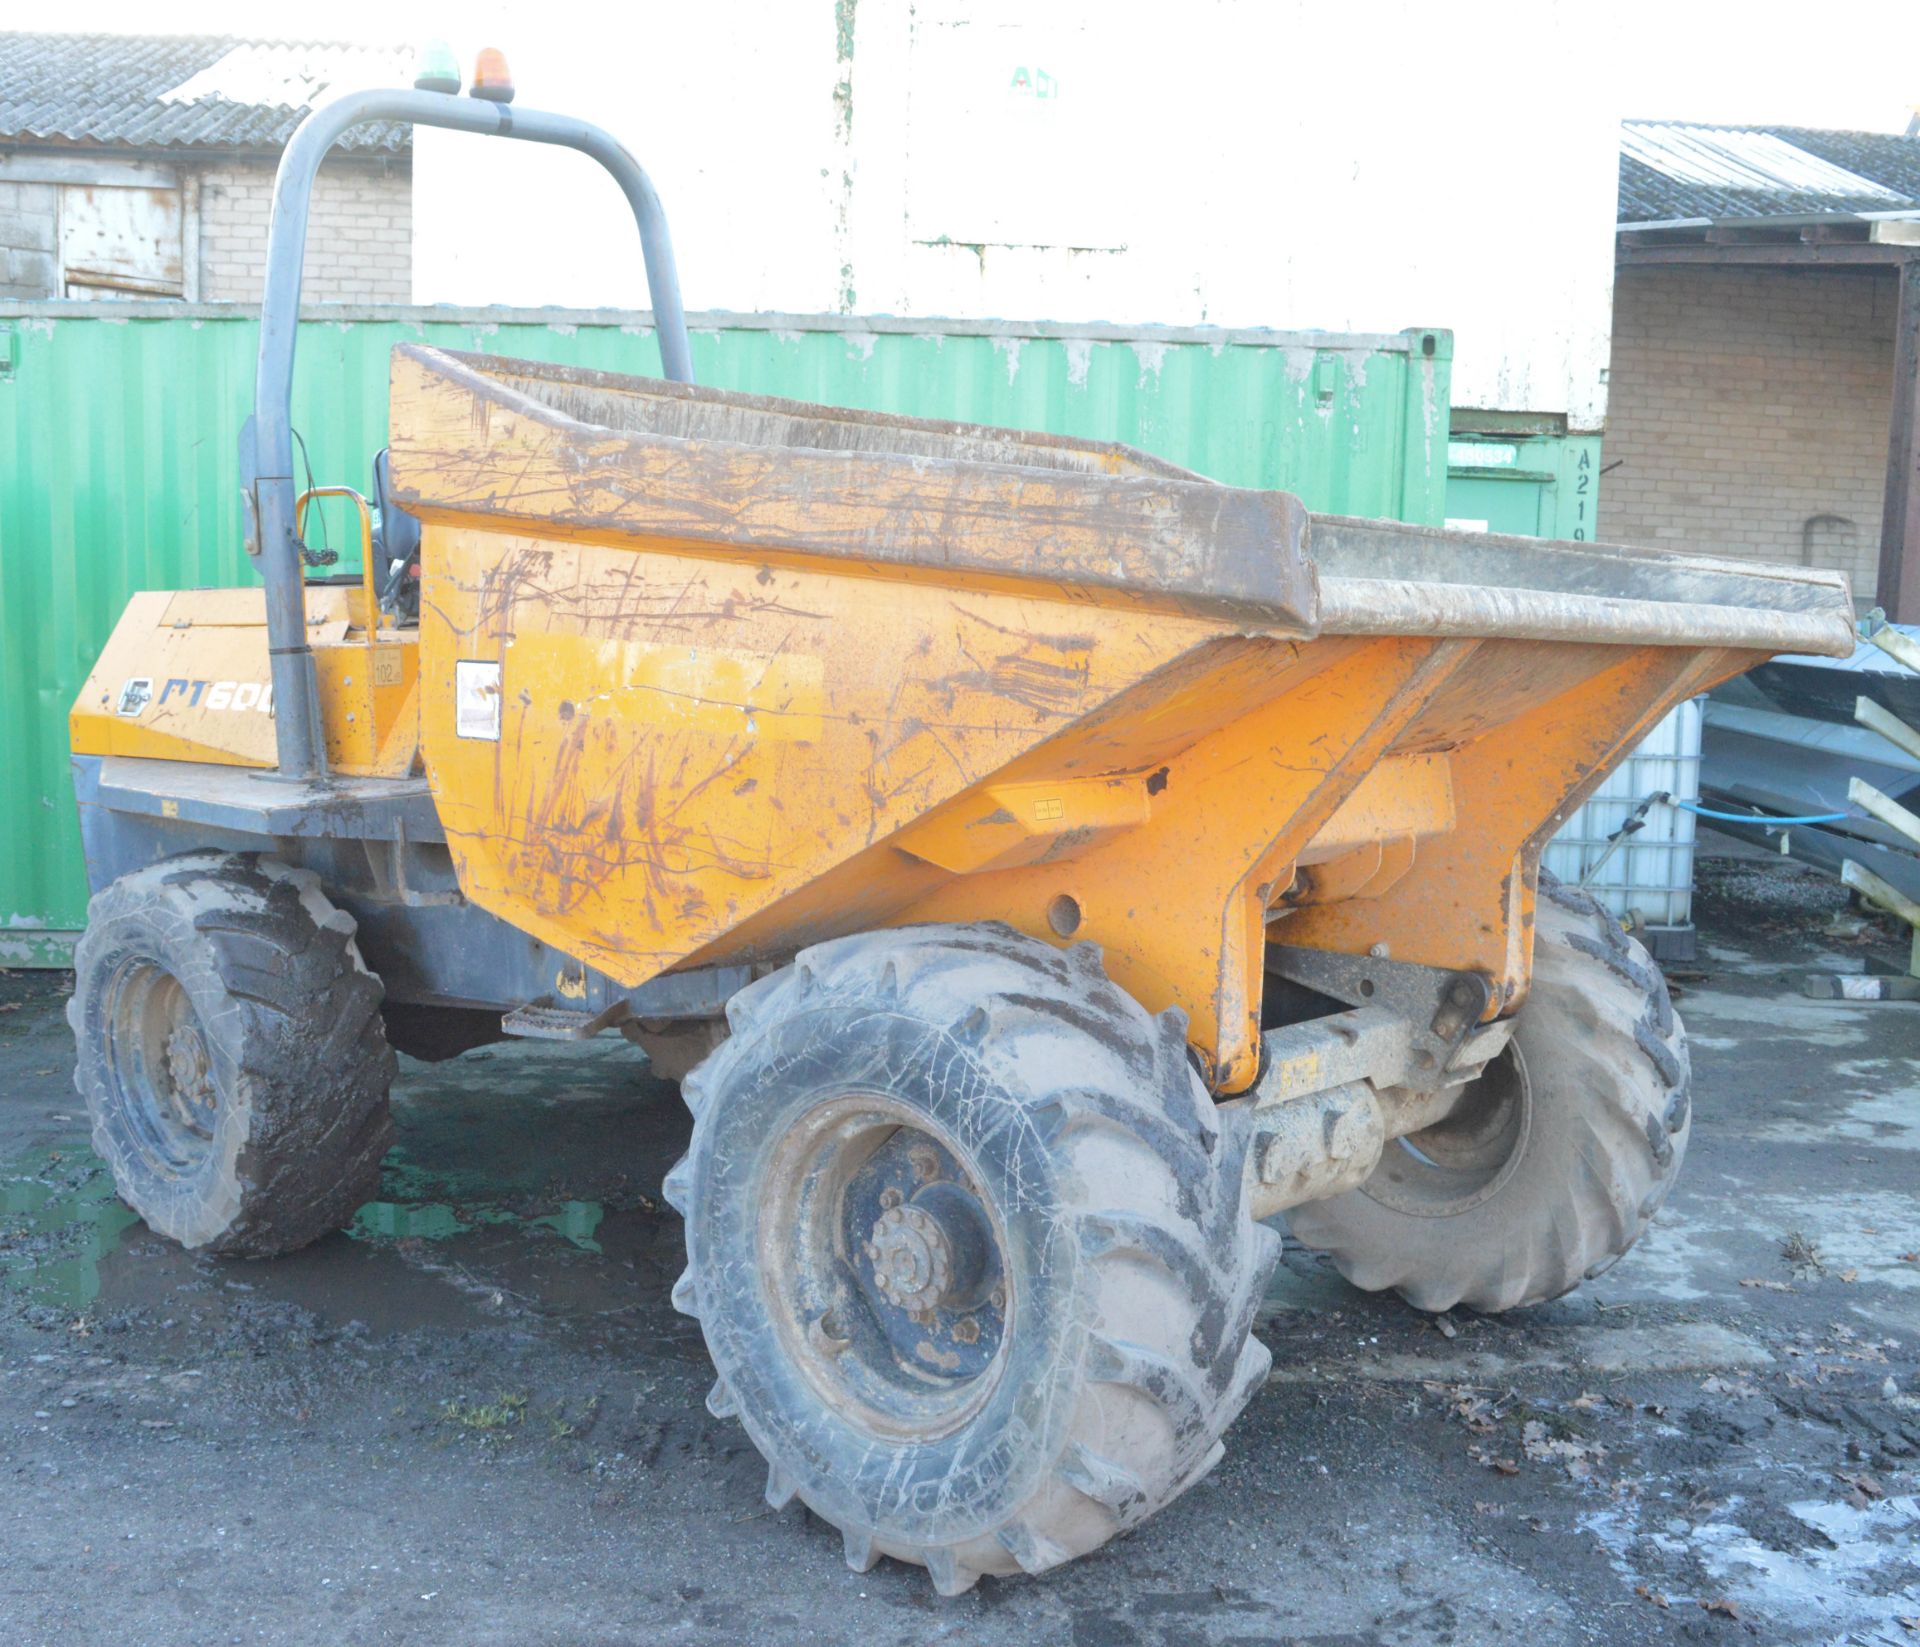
(119, 459)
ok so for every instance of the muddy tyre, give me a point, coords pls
(230, 1052)
(969, 1247)
(1561, 1153)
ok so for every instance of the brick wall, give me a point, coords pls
(28, 226)
(359, 235)
(1747, 415)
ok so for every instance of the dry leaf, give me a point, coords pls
(1652, 1595)
(1474, 1410)
(1849, 1275)
(1723, 1607)
(1576, 1457)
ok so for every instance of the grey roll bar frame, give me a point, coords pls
(268, 460)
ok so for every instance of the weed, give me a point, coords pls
(1801, 1254)
(499, 1416)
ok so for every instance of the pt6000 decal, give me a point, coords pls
(180, 693)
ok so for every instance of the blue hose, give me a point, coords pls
(1637, 821)
(1758, 817)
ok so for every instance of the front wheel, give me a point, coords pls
(229, 1048)
(1559, 1154)
(970, 1250)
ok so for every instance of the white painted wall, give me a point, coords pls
(1242, 163)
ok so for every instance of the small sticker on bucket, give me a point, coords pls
(476, 699)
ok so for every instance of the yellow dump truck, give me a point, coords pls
(1043, 865)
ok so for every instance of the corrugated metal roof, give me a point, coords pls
(194, 91)
(1672, 171)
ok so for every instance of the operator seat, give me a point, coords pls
(396, 544)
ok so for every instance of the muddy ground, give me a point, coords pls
(477, 1419)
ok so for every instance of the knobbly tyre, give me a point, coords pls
(1043, 865)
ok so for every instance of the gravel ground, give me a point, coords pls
(477, 1419)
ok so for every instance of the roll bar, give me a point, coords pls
(267, 444)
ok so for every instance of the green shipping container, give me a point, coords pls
(119, 471)
(1525, 485)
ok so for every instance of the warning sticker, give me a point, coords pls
(476, 699)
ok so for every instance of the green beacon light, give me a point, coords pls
(437, 69)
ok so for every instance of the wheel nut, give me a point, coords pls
(912, 1259)
(188, 1066)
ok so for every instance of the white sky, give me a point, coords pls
(1850, 63)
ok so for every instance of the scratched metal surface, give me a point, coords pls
(119, 427)
(762, 680)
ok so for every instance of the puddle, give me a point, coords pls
(576, 1221)
(58, 1228)
(423, 1205)
(54, 1235)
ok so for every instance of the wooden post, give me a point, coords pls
(1899, 588)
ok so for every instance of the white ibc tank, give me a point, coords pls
(1649, 875)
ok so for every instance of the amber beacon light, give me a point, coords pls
(491, 77)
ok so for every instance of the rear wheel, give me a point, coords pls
(969, 1248)
(1559, 1154)
(230, 1052)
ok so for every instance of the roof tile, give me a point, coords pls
(185, 91)
(1677, 172)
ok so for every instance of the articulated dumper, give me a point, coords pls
(1040, 865)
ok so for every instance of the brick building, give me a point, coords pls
(1763, 383)
(142, 167)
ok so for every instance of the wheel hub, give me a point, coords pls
(912, 1258)
(886, 1263)
(161, 1066)
(187, 1064)
(1460, 1161)
(931, 1252)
